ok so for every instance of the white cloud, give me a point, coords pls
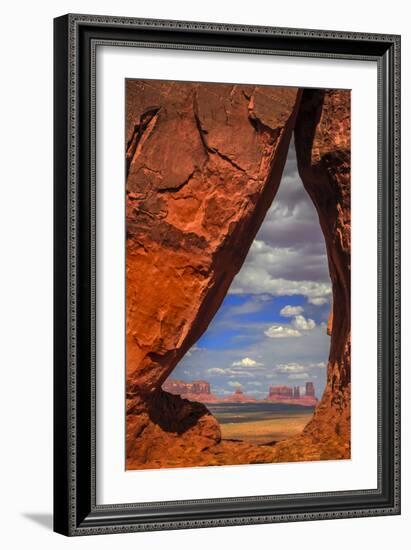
(231, 373)
(290, 368)
(298, 376)
(281, 331)
(290, 311)
(320, 365)
(288, 256)
(271, 270)
(234, 384)
(297, 368)
(256, 279)
(318, 301)
(301, 323)
(254, 383)
(215, 370)
(246, 362)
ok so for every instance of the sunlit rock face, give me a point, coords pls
(204, 163)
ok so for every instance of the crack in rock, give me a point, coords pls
(140, 133)
(177, 188)
(213, 150)
(258, 124)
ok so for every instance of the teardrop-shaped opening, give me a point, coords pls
(260, 367)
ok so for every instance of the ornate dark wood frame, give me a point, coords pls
(76, 38)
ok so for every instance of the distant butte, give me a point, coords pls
(291, 396)
(239, 397)
(200, 391)
(197, 390)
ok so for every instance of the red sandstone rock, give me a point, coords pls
(168, 430)
(287, 395)
(279, 392)
(202, 174)
(204, 163)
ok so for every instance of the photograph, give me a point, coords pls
(226, 274)
(238, 253)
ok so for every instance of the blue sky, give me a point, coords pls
(271, 326)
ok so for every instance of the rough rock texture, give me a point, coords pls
(167, 431)
(322, 140)
(204, 163)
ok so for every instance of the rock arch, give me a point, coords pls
(204, 165)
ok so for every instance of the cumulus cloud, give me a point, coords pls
(301, 323)
(319, 301)
(256, 277)
(291, 311)
(246, 362)
(281, 331)
(288, 256)
(288, 368)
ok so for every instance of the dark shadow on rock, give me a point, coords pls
(174, 414)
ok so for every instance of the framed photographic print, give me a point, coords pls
(227, 280)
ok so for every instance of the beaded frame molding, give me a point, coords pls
(76, 38)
